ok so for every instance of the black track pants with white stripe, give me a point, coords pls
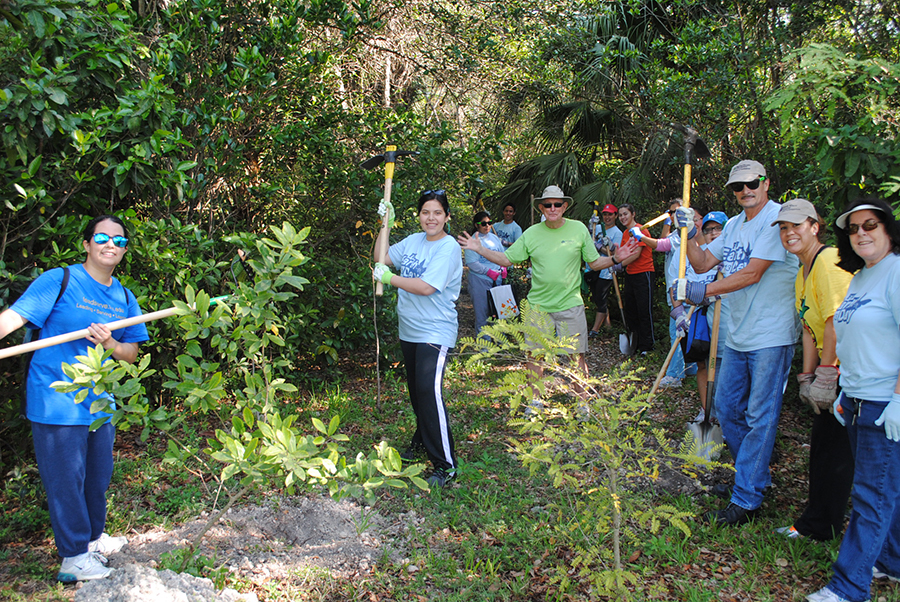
(425, 364)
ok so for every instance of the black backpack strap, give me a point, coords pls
(35, 335)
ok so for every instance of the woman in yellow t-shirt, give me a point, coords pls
(820, 288)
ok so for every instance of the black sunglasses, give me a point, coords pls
(548, 205)
(434, 192)
(752, 184)
(868, 226)
(486, 222)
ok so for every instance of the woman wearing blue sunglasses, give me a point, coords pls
(75, 462)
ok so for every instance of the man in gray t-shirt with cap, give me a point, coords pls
(762, 329)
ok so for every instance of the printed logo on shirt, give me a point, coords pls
(851, 303)
(103, 309)
(735, 258)
(412, 266)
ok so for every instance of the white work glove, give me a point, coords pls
(382, 273)
(681, 320)
(689, 290)
(387, 207)
(890, 418)
(684, 218)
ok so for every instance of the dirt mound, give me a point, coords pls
(268, 542)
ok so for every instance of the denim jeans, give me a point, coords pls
(76, 466)
(873, 535)
(676, 368)
(748, 403)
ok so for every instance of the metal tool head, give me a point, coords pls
(388, 157)
(694, 147)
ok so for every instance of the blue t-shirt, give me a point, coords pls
(508, 233)
(478, 265)
(760, 315)
(867, 325)
(85, 301)
(615, 238)
(431, 318)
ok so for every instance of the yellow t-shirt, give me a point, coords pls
(821, 293)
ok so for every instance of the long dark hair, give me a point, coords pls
(435, 195)
(849, 260)
(92, 225)
(477, 218)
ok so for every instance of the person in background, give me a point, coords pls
(761, 331)
(74, 460)
(608, 237)
(674, 204)
(867, 327)
(483, 274)
(640, 277)
(508, 230)
(671, 246)
(820, 288)
(429, 281)
(556, 247)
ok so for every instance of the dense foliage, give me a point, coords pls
(203, 122)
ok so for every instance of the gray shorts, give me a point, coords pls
(566, 323)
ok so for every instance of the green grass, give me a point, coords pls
(500, 533)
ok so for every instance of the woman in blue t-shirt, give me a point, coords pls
(430, 275)
(74, 461)
(483, 274)
(867, 327)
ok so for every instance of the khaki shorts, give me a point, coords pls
(566, 323)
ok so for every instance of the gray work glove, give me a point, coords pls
(805, 379)
(823, 390)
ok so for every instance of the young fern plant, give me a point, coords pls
(592, 438)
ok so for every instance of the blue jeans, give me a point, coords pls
(479, 285)
(748, 402)
(76, 466)
(873, 535)
(676, 368)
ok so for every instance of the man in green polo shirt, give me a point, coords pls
(556, 247)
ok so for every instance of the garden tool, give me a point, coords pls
(389, 157)
(709, 436)
(662, 371)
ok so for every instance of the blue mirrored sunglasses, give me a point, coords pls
(101, 239)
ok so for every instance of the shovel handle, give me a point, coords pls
(665, 366)
(382, 250)
(655, 221)
(83, 333)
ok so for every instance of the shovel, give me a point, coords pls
(665, 366)
(708, 435)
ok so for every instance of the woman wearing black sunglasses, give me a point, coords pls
(867, 326)
(75, 461)
(483, 273)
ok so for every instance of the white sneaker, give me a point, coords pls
(790, 532)
(106, 544)
(669, 382)
(825, 595)
(83, 567)
(876, 574)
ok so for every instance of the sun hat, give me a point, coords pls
(553, 192)
(796, 211)
(714, 216)
(841, 221)
(610, 209)
(746, 171)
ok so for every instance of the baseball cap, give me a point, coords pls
(796, 211)
(841, 221)
(714, 216)
(609, 209)
(746, 171)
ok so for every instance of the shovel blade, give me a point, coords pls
(708, 438)
(626, 345)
